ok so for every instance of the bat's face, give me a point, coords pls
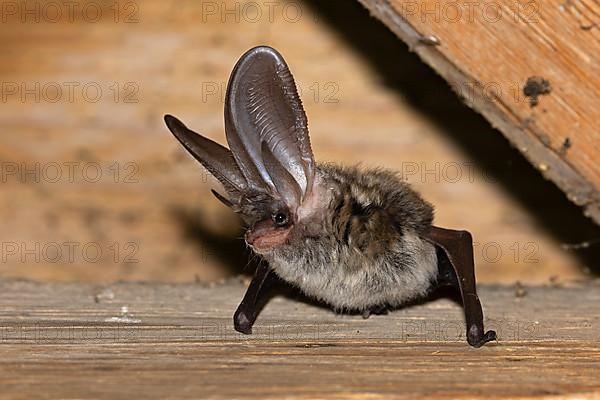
(268, 234)
(286, 226)
(270, 224)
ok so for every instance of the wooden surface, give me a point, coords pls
(488, 50)
(176, 341)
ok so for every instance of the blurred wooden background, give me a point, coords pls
(529, 67)
(85, 93)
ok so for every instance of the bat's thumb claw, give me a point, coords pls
(242, 323)
(476, 338)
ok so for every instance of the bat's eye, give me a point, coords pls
(280, 219)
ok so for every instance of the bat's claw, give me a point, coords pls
(378, 310)
(476, 338)
(243, 322)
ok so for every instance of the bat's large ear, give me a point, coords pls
(267, 128)
(217, 159)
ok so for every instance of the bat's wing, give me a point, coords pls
(458, 248)
(267, 128)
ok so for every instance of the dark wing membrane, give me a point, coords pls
(458, 249)
(217, 159)
(262, 105)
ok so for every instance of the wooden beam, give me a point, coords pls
(177, 341)
(489, 51)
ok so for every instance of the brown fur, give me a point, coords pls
(361, 247)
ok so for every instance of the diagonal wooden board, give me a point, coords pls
(487, 51)
(176, 341)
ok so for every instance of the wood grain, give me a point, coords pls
(177, 341)
(487, 50)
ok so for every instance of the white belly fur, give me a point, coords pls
(346, 283)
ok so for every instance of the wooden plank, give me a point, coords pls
(488, 50)
(176, 341)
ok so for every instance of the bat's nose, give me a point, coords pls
(264, 236)
(250, 236)
(256, 231)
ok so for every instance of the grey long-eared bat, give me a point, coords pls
(356, 239)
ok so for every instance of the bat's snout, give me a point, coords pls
(264, 236)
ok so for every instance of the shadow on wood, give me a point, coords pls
(231, 251)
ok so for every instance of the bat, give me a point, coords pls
(356, 239)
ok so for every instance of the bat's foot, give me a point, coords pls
(476, 338)
(242, 322)
(378, 310)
